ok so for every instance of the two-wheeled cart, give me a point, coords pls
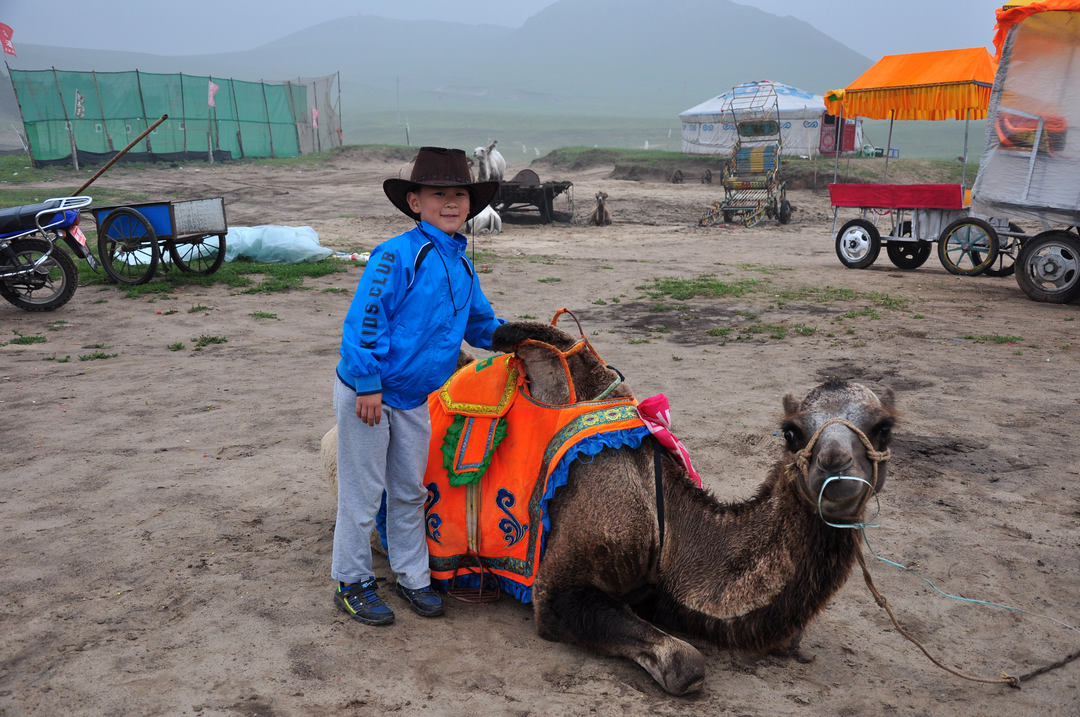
(134, 238)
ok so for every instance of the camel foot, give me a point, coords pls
(676, 666)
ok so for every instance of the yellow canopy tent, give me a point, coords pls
(920, 86)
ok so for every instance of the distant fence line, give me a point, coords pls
(80, 117)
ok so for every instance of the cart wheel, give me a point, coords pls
(784, 215)
(968, 247)
(858, 244)
(199, 255)
(1048, 267)
(127, 246)
(908, 255)
(729, 217)
(1008, 248)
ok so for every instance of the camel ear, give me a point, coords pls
(888, 399)
(547, 379)
(791, 405)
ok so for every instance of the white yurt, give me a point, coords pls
(709, 128)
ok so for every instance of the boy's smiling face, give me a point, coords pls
(443, 207)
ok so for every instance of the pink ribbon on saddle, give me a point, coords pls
(656, 414)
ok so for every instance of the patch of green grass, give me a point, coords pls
(96, 356)
(550, 280)
(26, 340)
(238, 274)
(57, 360)
(719, 331)
(57, 325)
(178, 346)
(639, 341)
(600, 302)
(706, 285)
(206, 340)
(262, 315)
(199, 307)
(868, 311)
(335, 290)
(994, 338)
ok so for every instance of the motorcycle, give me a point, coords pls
(35, 273)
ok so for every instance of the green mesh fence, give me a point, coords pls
(93, 115)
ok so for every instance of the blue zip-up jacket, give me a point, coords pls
(402, 333)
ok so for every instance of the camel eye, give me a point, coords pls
(792, 437)
(883, 431)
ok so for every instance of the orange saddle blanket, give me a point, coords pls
(496, 458)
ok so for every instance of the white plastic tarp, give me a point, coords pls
(708, 128)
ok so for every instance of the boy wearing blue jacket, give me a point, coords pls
(418, 298)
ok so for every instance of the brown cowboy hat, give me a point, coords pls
(440, 167)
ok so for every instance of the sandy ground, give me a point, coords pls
(166, 531)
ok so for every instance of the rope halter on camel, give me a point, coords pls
(802, 462)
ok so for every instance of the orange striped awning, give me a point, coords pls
(945, 84)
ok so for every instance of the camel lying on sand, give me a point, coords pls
(624, 559)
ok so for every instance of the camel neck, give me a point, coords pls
(749, 573)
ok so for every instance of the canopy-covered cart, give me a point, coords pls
(1030, 167)
(946, 84)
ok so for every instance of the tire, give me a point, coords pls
(906, 254)
(858, 244)
(199, 255)
(784, 215)
(48, 288)
(1048, 267)
(1008, 249)
(968, 247)
(128, 247)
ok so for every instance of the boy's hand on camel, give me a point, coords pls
(369, 408)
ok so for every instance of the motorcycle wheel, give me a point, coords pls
(48, 288)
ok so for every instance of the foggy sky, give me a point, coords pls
(870, 27)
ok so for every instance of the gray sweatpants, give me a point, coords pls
(390, 456)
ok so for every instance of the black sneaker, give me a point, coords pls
(360, 602)
(423, 600)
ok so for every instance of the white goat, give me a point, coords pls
(491, 165)
(486, 222)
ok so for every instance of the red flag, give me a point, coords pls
(315, 118)
(212, 90)
(5, 39)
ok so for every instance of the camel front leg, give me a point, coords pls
(595, 620)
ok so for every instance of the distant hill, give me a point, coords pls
(608, 72)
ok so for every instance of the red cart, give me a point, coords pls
(916, 216)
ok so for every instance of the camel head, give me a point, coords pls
(560, 369)
(837, 441)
